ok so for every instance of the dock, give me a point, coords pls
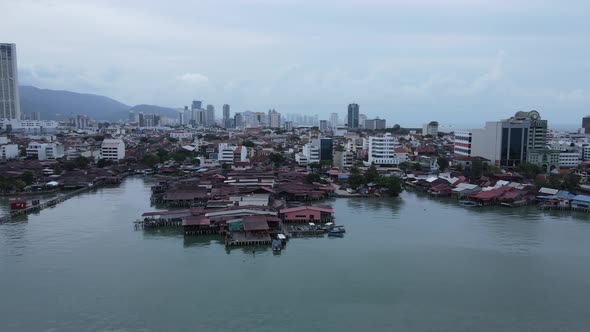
(44, 205)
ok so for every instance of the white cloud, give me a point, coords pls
(193, 78)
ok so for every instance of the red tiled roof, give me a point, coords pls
(255, 223)
(196, 221)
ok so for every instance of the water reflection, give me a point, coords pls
(202, 241)
(249, 250)
(165, 232)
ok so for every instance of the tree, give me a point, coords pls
(459, 168)
(529, 170)
(476, 169)
(248, 144)
(27, 177)
(101, 163)
(355, 179)
(172, 139)
(81, 162)
(404, 166)
(150, 160)
(392, 184)
(313, 177)
(443, 163)
(315, 167)
(163, 155)
(276, 159)
(417, 166)
(571, 181)
(372, 174)
(69, 166)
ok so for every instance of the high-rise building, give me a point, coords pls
(210, 115)
(226, 120)
(197, 104)
(288, 125)
(375, 124)
(508, 143)
(323, 125)
(36, 116)
(181, 118)
(430, 128)
(586, 124)
(362, 119)
(353, 116)
(9, 97)
(274, 119)
(238, 120)
(333, 120)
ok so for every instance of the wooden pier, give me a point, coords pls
(241, 239)
(157, 223)
(47, 204)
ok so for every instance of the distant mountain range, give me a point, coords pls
(61, 105)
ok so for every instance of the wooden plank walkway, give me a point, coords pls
(47, 204)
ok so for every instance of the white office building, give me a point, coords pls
(45, 151)
(112, 149)
(568, 159)
(29, 126)
(430, 128)
(386, 150)
(9, 151)
(312, 153)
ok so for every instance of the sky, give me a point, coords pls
(460, 62)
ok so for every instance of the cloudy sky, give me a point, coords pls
(410, 61)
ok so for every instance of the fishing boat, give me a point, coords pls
(469, 204)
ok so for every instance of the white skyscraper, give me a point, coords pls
(9, 98)
(333, 120)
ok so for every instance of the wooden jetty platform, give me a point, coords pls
(47, 204)
(157, 223)
(244, 239)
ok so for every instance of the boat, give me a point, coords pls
(337, 231)
(469, 204)
(281, 237)
(276, 245)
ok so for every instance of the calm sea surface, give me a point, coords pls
(405, 264)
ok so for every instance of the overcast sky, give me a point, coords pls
(409, 61)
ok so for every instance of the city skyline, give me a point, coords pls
(431, 59)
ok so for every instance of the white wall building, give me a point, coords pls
(9, 151)
(301, 159)
(386, 150)
(312, 153)
(229, 153)
(44, 151)
(569, 159)
(430, 128)
(112, 149)
(29, 126)
(462, 143)
(179, 134)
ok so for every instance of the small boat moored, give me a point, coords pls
(469, 204)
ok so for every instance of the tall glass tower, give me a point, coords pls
(9, 98)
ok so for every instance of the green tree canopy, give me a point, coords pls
(443, 163)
